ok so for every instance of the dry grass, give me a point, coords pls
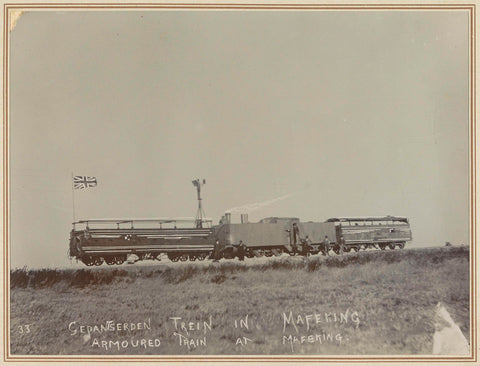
(394, 294)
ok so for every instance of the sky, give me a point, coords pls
(311, 114)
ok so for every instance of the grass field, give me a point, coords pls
(362, 303)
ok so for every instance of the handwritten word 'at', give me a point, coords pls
(243, 341)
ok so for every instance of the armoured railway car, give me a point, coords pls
(95, 242)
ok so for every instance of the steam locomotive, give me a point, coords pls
(95, 242)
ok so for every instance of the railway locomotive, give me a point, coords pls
(95, 242)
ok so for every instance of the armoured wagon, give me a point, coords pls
(372, 232)
(96, 241)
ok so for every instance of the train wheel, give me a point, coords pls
(184, 257)
(192, 258)
(277, 252)
(347, 249)
(249, 254)
(401, 245)
(291, 253)
(356, 249)
(98, 261)
(268, 253)
(382, 246)
(174, 258)
(88, 260)
(201, 257)
(119, 260)
(336, 250)
(110, 260)
(391, 246)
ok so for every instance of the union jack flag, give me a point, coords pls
(80, 182)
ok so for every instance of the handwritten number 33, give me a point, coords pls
(23, 329)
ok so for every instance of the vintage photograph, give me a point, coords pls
(239, 182)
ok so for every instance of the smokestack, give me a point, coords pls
(228, 217)
(244, 218)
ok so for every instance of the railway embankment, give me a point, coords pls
(372, 302)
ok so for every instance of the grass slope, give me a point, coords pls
(388, 298)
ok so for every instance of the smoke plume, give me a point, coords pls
(250, 207)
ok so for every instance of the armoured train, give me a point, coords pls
(95, 242)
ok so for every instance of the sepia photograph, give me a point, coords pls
(244, 183)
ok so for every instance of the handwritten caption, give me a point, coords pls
(243, 325)
(296, 330)
(311, 328)
(111, 327)
(191, 334)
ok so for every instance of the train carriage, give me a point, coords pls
(112, 241)
(318, 234)
(372, 232)
(271, 236)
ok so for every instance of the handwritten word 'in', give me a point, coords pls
(243, 323)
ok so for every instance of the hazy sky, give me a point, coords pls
(336, 113)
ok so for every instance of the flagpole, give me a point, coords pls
(73, 203)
